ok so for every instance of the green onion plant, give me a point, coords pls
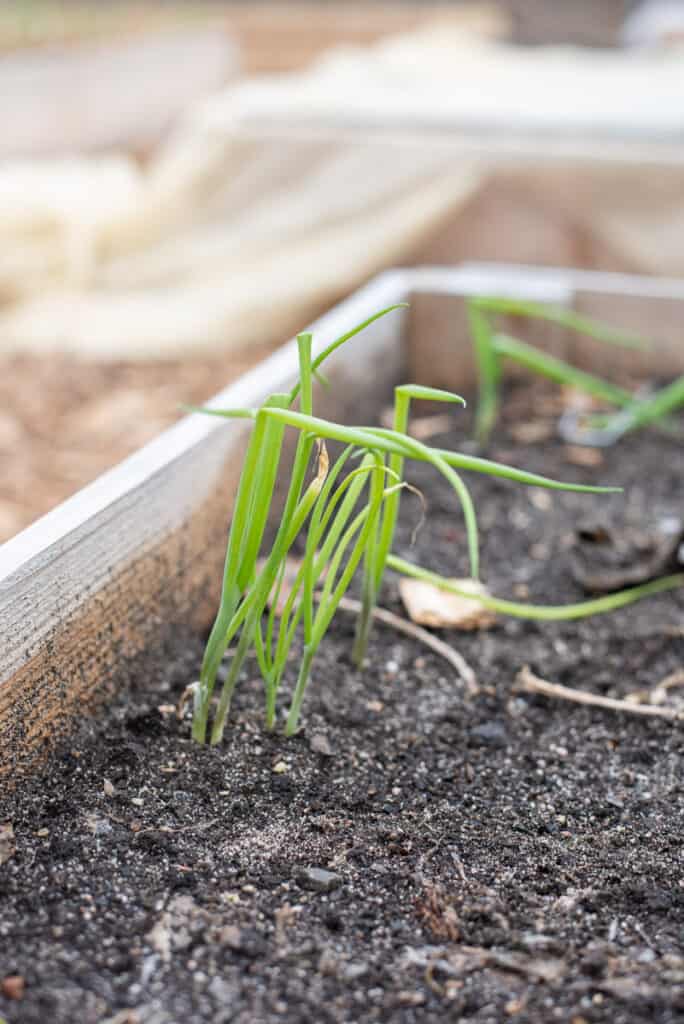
(492, 347)
(344, 519)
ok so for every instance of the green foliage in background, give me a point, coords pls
(493, 347)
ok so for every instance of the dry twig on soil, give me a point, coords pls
(527, 682)
(456, 660)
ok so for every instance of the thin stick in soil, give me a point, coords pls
(527, 682)
(658, 694)
(401, 625)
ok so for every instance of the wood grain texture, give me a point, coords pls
(649, 308)
(131, 563)
(440, 353)
(655, 313)
(139, 553)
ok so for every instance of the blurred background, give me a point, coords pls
(184, 185)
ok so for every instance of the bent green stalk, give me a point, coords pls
(254, 498)
(541, 613)
(647, 411)
(379, 545)
(388, 440)
(368, 588)
(252, 505)
(323, 562)
(490, 347)
(363, 525)
(488, 372)
(558, 370)
(244, 538)
(313, 567)
(376, 437)
(343, 339)
(559, 315)
(339, 535)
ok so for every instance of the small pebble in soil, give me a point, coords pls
(224, 992)
(489, 734)
(230, 936)
(318, 879)
(320, 744)
(353, 971)
(12, 986)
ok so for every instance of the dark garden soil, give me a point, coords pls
(413, 854)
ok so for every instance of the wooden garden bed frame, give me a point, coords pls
(129, 562)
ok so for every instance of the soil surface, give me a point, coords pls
(413, 855)
(64, 421)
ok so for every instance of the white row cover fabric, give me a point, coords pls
(244, 220)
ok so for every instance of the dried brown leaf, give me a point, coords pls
(429, 605)
(578, 455)
(12, 987)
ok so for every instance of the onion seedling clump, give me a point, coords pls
(343, 515)
(492, 347)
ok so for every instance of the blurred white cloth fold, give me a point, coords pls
(275, 196)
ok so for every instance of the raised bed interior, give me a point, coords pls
(89, 589)
(419, 852)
